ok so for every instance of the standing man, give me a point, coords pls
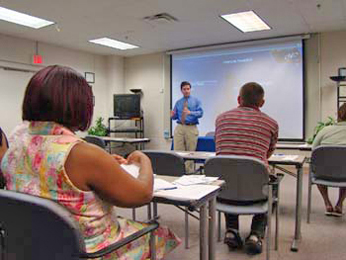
(186, 111)
(246, 131)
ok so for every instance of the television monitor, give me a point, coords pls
(127, 105)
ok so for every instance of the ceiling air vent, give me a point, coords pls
(162, 18)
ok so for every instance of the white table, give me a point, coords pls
(207, 216)
(292, 146)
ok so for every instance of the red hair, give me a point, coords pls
(59, 94)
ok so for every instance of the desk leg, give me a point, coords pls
(297, 231)
(212, 238)
(203, 233)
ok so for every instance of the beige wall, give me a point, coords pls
(149, 73)
(312, 84)
(333, 56)
(16, 53)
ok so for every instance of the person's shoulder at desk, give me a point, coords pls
(225, 113)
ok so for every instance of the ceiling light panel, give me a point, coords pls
(113, 43)
(246, 21)
(23, 19)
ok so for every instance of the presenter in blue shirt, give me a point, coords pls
(186, 111)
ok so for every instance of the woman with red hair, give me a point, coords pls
(48, 160)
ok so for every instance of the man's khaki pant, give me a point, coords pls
(185, 139)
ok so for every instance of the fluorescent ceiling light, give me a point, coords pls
(113, 43)
(246, 21)
(23, 19)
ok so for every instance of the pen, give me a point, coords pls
(171, 188)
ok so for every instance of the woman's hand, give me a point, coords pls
(120, 159)
(137, 158)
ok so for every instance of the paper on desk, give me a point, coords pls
(160, 184)
(291, 157)
(285, 157)
(131, 169)
(194, 179)
(184, 193)
(183, 153)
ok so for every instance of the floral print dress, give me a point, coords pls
(34, 164)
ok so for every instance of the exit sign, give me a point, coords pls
(37, 59)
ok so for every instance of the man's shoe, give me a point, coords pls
(253, 245)
(233, 240)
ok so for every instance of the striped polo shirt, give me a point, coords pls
(246, 131)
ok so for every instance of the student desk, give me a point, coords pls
(134, 141)
(276, 161)
(207, 215)
(292, 146)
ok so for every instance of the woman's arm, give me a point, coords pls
(4, 145)
(91, 168)
(3, 149)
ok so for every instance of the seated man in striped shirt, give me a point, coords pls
(246, 131)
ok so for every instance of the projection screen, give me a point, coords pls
(216, 76)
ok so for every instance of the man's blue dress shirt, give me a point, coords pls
(194, 105)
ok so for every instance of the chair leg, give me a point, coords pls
(152, 246)
(155, 211)
(186, 230)
(309, 201)
(2, 243)
(149, 211)
(134, 214)
(219, 226)
(269, 214)
(276, 227)
(277, 212)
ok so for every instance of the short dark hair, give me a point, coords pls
(251, 94)
(342, 112)
(185, 83)
(59, 94)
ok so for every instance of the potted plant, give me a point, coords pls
(320, 125)
(99, 129)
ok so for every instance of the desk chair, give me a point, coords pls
(327, 167)
(36, 228)
(96, 141)
(169, 164)
(247, 179)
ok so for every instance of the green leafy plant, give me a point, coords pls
(99, 129)
(320, 126)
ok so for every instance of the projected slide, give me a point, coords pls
(216, 77)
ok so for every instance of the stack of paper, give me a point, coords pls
(194, 179)
(184, 193)
(284, 157)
